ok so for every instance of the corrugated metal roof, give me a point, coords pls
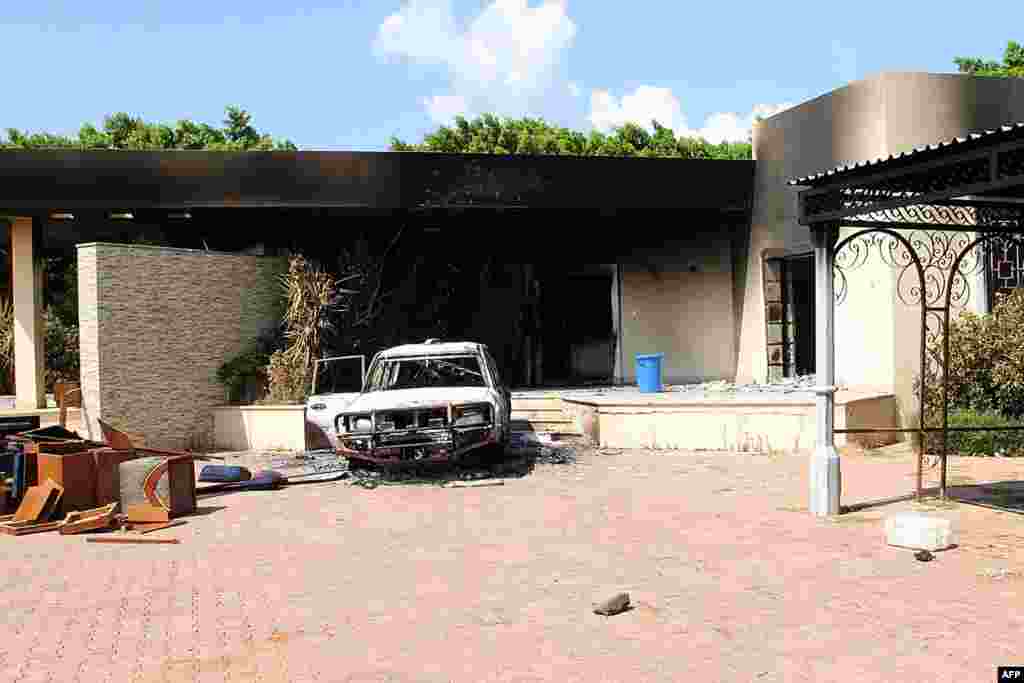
(1011, 130)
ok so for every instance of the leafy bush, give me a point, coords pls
(289, 378)
(245, 377)
(983, 443)
(6, 346)
(986, 367)
(241, 371)
(62, 351)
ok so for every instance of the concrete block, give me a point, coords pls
(918, 531)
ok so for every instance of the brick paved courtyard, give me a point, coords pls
(333, 582)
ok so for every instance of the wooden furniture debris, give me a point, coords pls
(33, 515)
(75, 471)
(147, 513)
(39, 502)
(66, 396)
(130, 539)
(89, 520)
(21, 528)
(165, 482)
(118, 439)
(108, 482)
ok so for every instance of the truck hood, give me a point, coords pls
(403, 399)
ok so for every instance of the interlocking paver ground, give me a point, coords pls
(331, 582)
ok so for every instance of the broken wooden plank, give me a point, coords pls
(39, 502)
(89, 520)
(22, 528)
(129, 539)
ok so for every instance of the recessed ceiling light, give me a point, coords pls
(124, 216)
(62, 216)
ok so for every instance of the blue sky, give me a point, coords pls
(350, 74)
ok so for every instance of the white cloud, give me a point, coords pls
(509, 59)
(649, 103)
(444, 107)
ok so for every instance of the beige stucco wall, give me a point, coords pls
(677, 299)
(687, 316)
(242, 428)
(155, 324)
(886, 114)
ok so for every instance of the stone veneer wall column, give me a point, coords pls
(155, 324)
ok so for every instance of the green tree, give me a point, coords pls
(1012, 66)
(122, 131)
(119, 131)
(489, 134)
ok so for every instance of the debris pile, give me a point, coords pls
(790, 385)
(61, 482)
(525, 453)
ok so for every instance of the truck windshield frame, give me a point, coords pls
(427, 372)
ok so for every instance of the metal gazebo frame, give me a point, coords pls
(938, 215)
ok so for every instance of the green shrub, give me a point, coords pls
(242, 371)
(984, 443)
(986, 366)
(289, 378)
(61, 350)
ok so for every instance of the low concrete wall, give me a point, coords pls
(243, 428)
(664, 422)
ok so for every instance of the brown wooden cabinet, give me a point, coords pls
(76, 472)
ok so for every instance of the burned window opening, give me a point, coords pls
(789, 316)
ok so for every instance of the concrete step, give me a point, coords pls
(538, 403)
(554, 427)
(543, 416)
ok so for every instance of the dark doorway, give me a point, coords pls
(576, 325)
(789, 301)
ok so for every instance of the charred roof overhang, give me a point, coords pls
(34, 182)
(974, 182)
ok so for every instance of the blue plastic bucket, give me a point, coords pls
(648, 372)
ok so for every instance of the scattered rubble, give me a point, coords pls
(790, 385)
(614, 605)
(1000, 573)
(473, 484)
(519, 461)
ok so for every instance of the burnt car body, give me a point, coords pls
(430, 402)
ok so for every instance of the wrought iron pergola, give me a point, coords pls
(941, 215)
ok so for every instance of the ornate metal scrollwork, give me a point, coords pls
(925, 215)
(922, 258)
(1005, 218)
(1011, 163)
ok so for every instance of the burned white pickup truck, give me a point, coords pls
(430, 402)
